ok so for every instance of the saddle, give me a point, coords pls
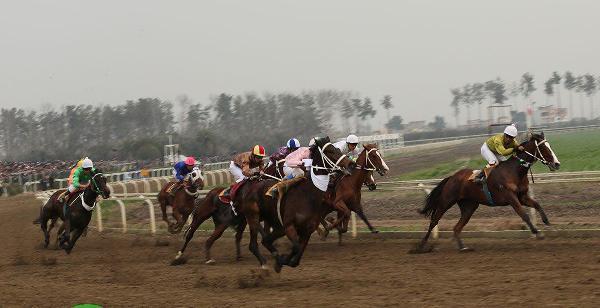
(280, 188)
(228, 195)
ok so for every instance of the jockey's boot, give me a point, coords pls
(173, 190)
(63, 196)
(484, 174)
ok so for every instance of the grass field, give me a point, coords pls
(577, 151)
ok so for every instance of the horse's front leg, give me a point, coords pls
(343, 213)
(518, 207)
(526, 200)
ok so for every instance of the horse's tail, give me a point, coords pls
(432, 200)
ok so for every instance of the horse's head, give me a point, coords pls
(328, 157)
(195, 180)
(370, 159)
(538, 148)
(98, 184)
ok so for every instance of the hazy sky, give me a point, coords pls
(71, 52)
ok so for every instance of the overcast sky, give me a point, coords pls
(72, 52)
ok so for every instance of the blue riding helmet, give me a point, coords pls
(293, 144)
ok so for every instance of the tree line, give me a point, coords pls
(497, 92)
(226, 124)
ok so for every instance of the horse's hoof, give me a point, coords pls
(539, 236)
(421, 249)
(179, 261)
(210, 262)
(466, 249)
(238, 259)
(277, 266)
(374, 231)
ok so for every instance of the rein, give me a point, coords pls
(333, 166)
(369, 165)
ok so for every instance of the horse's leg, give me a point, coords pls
(76, 234)
(270, 238)
(342, 209)
(163, 209)
(292, 234)
(255, 228)
(435, 219)
(526, 200)
(44, 226)
(359, 211)
(61, 229)
(342, 228)
(219, 229)
(239, 233)
(467, 208)
(516, 205)
(199, 217)
(295, 260)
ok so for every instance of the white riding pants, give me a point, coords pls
(491, 157)
(236, 171)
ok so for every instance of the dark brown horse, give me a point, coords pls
(507, 185)
(81, 206)
(298, 213)
(183, 201)
(223, 217)
(346, 195)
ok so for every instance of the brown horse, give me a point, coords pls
(183, 201)
(507, 185)
(298, 213)
(223, 217)
(52, 210)
(346, 195)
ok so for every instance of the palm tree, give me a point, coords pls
(589, 87)
(579, 88)
(556, 80)
(386, 103)
(456, 98)
(548, 89)
(478, 95)
(570, 84)
(527, 86)
(467, 100)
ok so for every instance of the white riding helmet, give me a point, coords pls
(311, 142)
(87, 163)
(352, 139)
(511, 130)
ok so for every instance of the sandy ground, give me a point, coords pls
(129, 270)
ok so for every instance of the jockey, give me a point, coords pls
(246, 164)
(73, 169)
(80, 180)
(180, 170)
(499, 148)
(296, 160)
(291, 146)
(349, 147)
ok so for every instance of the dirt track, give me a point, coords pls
(126, 270)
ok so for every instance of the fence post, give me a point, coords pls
(123, 215)
(152, 219)
(99, 216)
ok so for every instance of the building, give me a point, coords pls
(549, 114)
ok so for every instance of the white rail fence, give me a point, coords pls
(124, 200)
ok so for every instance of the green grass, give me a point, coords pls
(577, 151)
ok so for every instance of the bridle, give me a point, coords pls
(535, 155)
(94, 185)
(330, 165)
(190, 179)
(369, 165)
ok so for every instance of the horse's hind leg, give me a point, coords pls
(219, 229)
(44, 226)
(359, 211)
(239, 233)
(435, 219)
(526, 200)
(467, 208)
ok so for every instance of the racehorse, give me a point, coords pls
(81, 206)
(52, 210)
(346, 195)
(223, 217)
(183, 201)
(507, 184)
(298, 212)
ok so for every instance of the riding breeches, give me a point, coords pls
(236, 171)
(290, 172)
(491, 157)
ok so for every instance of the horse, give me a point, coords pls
(81, 206)
(346, 195)
(52, 210)
(507, 184)
(183, 201)
(296, 213)
(223, 217)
